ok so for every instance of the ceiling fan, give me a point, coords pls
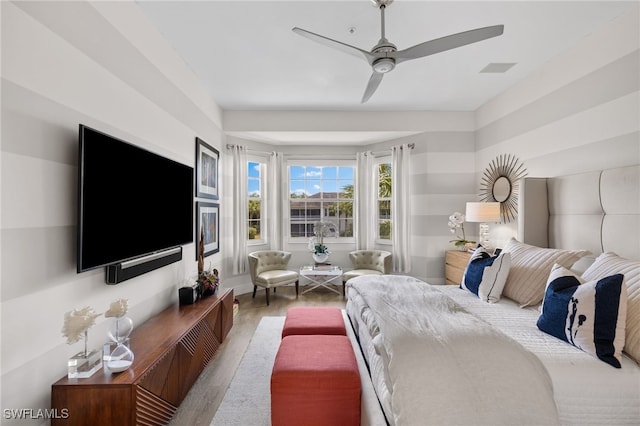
(384, 56)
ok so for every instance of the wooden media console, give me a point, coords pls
(171, 349)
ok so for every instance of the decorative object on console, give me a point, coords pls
(76, 325)
(188, 295)
(316, 244)
(117, 353)
(483, 213)
(208, 223)
(201, 251)
(207, 164)
(486, 275)
(499, 183)
(456, 221)
(588, 315)
(208, 282)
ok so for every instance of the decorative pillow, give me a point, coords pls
(608, 264)
(485, 275)
(530, 267)
(590, 316)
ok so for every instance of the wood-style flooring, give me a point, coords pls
(200, 405)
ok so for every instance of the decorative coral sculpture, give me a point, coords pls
(77, 322)
(117, 309)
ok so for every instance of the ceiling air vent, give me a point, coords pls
(497, 67)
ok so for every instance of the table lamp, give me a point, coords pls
(483, 213)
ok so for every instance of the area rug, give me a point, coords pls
(248, 399)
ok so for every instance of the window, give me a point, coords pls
(320, 193)
(255, 185)
(384, 201)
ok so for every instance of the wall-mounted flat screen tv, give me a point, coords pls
(131, 202)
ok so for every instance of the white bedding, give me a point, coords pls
(587, 391)
(419, 338)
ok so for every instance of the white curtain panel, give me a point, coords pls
(365, 191)
(275, 196)
(401, 207)
(240, 209)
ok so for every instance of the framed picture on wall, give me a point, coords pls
(207, 169)
(208, 225)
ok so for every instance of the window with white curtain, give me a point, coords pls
(256, 179)
(384, 188)
(320, 191)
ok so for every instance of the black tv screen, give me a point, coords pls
(131, 202)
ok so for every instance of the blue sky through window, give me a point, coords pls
(305, 180)
(253, 182)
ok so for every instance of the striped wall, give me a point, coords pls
(580, 112)
(65, 63)
(443, 179)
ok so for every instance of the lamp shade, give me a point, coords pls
(483, 212)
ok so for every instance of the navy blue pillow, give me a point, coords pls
(485, 275)
(590, 316)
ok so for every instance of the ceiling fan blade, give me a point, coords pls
(447, 43)
(346, 48)
(372, 86)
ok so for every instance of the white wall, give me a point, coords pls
(65, 63)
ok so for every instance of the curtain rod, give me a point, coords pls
(230, 146)
(388, 151)
(251, 151)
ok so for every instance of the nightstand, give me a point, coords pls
(455, 263)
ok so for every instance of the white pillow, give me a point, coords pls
(485, 275)
(530, 267)
(608, 264)
(589, 315)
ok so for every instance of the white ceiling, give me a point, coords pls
(249, 59)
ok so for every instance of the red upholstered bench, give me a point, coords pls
(314, 320)
(315, 381)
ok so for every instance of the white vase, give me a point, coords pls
(320, 257)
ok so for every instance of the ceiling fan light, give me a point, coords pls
(383, 65)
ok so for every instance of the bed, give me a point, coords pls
(444, 355)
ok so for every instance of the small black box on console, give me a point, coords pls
(188, 295)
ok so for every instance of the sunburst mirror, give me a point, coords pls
(500, 182)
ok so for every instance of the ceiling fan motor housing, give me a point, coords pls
(384, 65)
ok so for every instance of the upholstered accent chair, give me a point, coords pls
(268, 269)
(368, 262)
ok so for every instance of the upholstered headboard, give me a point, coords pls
(598, 211)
